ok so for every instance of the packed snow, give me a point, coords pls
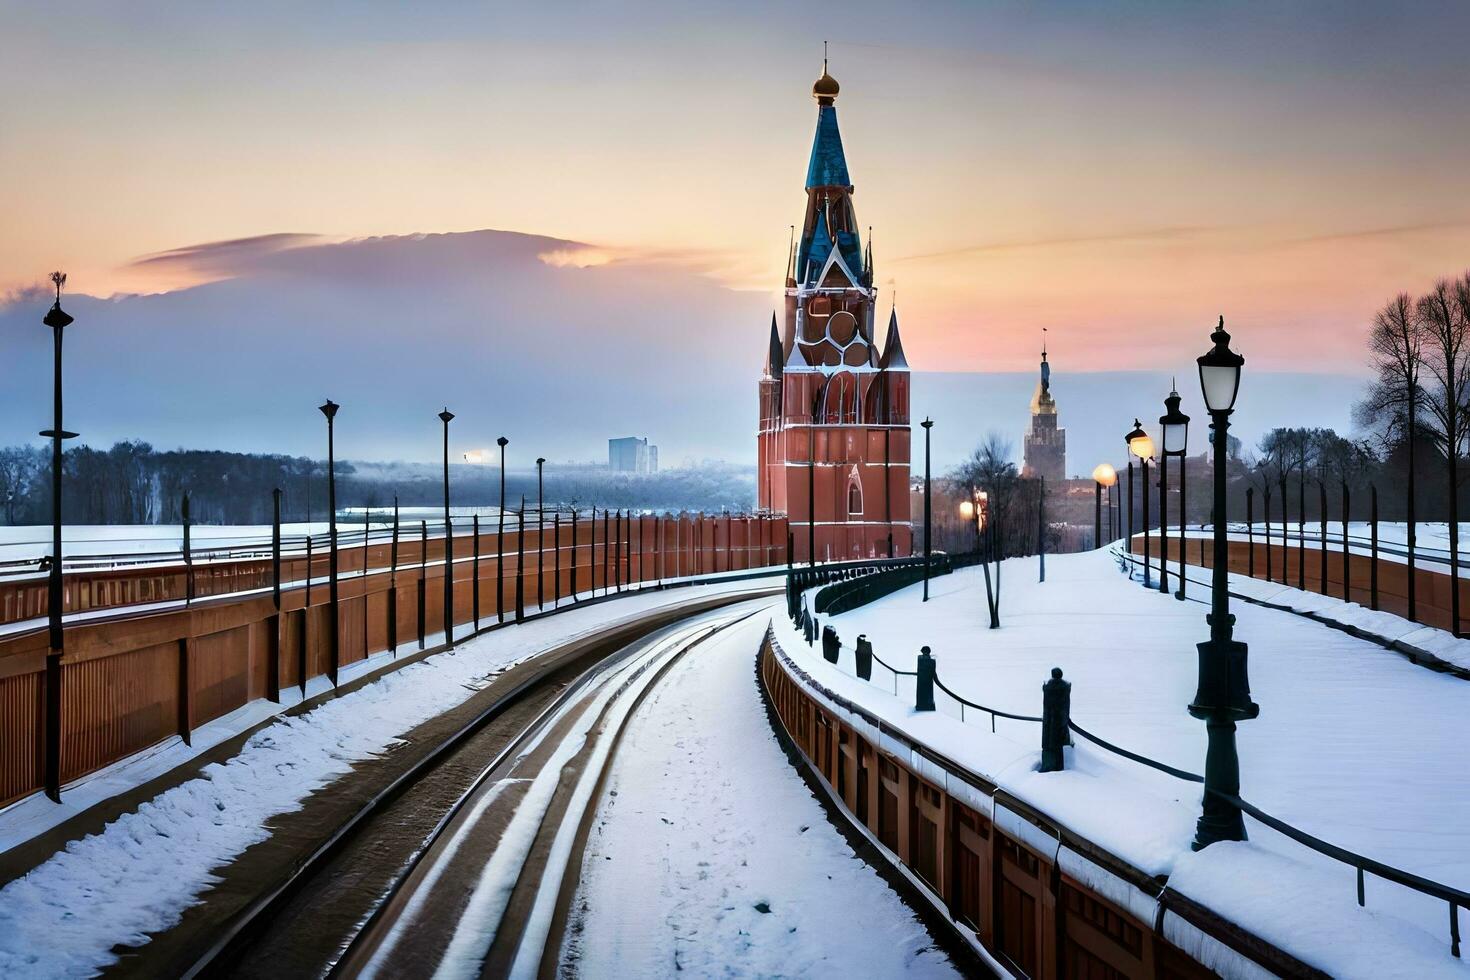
(711, 857)
(145, 868)
(1354, 745)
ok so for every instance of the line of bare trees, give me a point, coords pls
(133, 483)
(1419, 349)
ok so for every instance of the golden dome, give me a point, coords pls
(825, 89)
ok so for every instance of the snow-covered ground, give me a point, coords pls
(711, 857)
(139, 874)
(1354, 745)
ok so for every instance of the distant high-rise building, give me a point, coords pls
(1045, 445)
(632, 455)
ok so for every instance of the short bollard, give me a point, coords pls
(924, 684)
(830, 644)
(864, 657)
(1056, 716)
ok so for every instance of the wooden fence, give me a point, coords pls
(1374, 582)
(1007, 877)
(135, 677)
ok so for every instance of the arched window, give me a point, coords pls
(839, 402)
(854, 499)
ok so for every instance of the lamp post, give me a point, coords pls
(1103, 475)
(57, 319)
(928, 424)
(446, 417)
(333, 651)
(1223, 696)
(500, 539)
(1175, 426)
(1140, 445)
(540, 532)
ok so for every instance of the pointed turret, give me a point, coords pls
(893, 359)
(775, 358)
(828, 166)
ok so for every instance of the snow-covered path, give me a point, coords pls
(710, 855)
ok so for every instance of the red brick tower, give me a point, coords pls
(834, 414)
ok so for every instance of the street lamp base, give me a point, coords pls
(1215, 827)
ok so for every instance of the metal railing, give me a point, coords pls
(1456, 898)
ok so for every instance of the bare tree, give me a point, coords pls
(991, 471)
(18, 468)
(1390, 408)
(1441, 317)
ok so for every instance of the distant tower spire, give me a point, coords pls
(1045, 367)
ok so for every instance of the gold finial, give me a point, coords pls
(826, 88)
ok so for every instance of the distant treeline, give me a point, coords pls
(132, 483)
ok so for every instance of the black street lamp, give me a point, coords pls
(1175, 425)
(446, 417)
(1223, 697)
(57, 319)
(1103, 475)
(928, 424)
(500, 538)
(1140, 445)
(333, 651)
(540, 532)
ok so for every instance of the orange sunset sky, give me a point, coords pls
(1117, 173)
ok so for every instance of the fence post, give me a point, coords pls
(1347, 571)
(831, 645)
(1056, 719)
(863, 657)
(188, 558)
(273, 664)
(1266, 502)
(1322, 535)
(302, 655)
(556, 561)
(573, 586)
(393, 585)
(186, 693)
(423, 576)
(924, 683)
(1373, 546)
(520, 562)
(475, 604)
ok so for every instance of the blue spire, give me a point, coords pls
(828, 167)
